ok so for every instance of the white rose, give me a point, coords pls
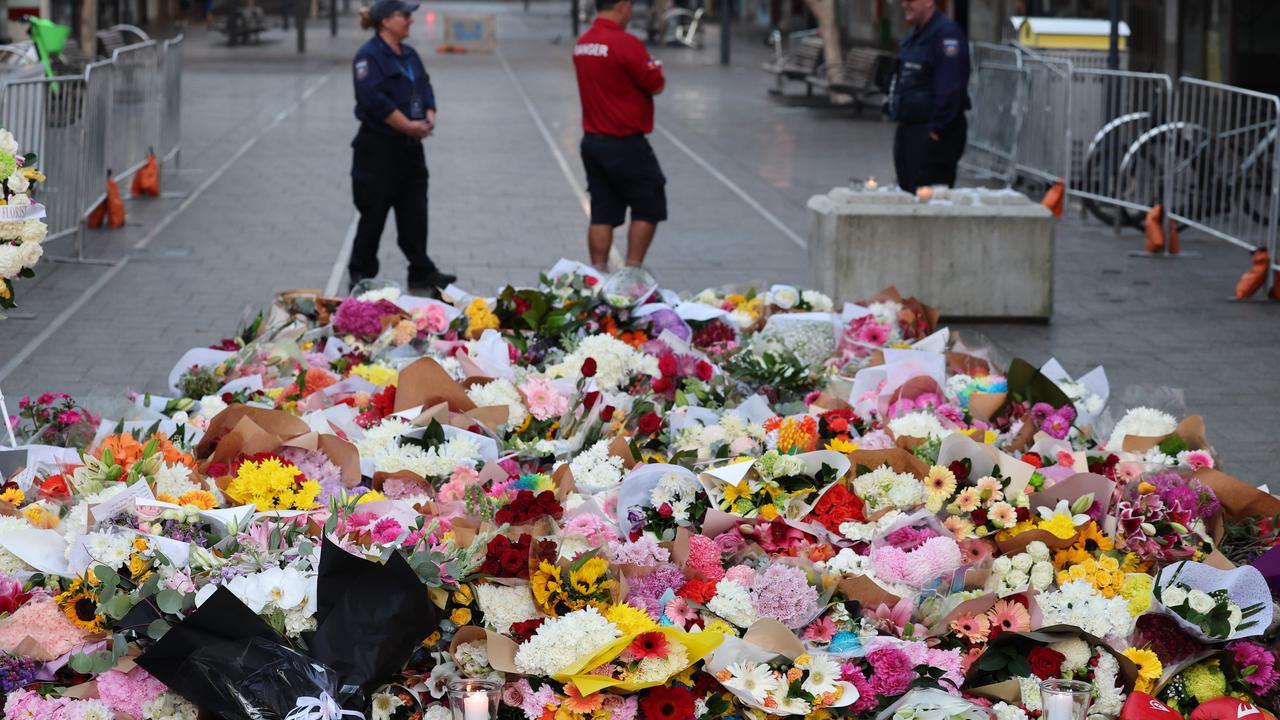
(11, 230)
(1042, 576)
(1173, 596)
(1001, 565)
(1017, 579)
(18, 182)
(10, 261)
(1234, 618)
(8, 143)
(1038, 551)
(33, 231)
(19, 200)
(784, 296)
(1200, 601)
(30, 253)
(1022, 562)
(816, 300)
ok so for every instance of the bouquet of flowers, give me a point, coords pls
(1215, 604)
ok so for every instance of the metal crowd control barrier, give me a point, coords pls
(1044, 146)
(1225, 166)
(997, 86)
(135, 106)
(47, 116)
(106, 120)
(1119, 166)
(171, 109)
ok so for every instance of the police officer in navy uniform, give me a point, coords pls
(929, 97)
(397, 110)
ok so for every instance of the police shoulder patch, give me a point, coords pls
(950, 47)
(362, 69)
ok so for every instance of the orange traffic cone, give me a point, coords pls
(115, 204)
(1153, 225)
(1255, 276)
(1054, 198)
(147, 180)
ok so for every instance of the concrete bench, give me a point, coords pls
(976, 253)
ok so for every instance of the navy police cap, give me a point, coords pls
(383, 9)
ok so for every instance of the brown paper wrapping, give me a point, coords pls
(425, 383)
(966, 364)
(379, 478)
(1007, 690)
(866, 592)
(245, 430)
(984, 406)
(1191, 430)
(1239, 500)
(1018, 543)
(775, 637)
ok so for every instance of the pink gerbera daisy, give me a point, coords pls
(1008, 616)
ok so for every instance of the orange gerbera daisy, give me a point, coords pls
(576, 702)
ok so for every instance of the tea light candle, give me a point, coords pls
(475, 706)
(924, 194)
(872, 184)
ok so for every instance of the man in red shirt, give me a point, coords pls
(617, 80)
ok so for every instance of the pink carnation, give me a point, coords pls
(704, 557)
(127, 692)
(891, 671)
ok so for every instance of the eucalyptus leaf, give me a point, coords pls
(157, 629)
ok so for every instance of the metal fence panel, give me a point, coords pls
(99, 92)
(171, 105)
(1224, 169)
(135, 106)
(47, 116)
(1044, 144)
(1116, 159)
(996, 89)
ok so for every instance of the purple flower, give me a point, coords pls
(645, 590)
(783, 593)
(1252, 655)
(666, 319)
(359, 317)
(16, 672)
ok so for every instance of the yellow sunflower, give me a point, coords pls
(81, 607)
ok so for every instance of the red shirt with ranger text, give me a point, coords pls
(617, 79)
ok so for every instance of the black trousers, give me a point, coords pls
(389, 173)
(921, 161)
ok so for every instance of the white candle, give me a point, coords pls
(475, 706)
(1058, 706)
(872, 184)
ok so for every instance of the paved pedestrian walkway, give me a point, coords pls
(261, 203)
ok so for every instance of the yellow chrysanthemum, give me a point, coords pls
(379, 375)
(630, 620)
(1136, 588)
(769, 512)
(271, 484)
